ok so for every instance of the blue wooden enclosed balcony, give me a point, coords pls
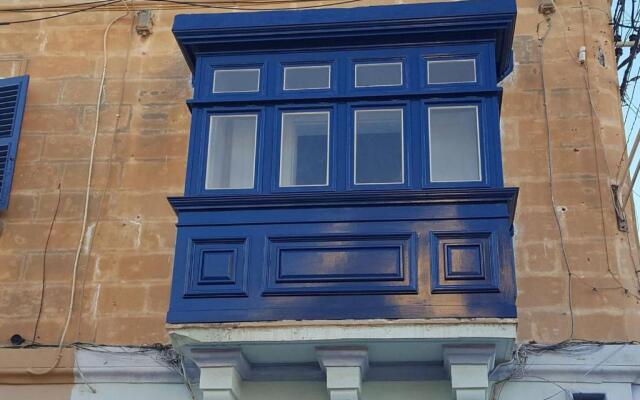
(346, 164)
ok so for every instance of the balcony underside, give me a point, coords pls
(344, 256)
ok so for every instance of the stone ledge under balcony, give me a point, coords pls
(345, 354)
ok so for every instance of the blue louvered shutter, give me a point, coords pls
(13, 94)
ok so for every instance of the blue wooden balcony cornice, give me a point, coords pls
(470, 20)
(478, 196)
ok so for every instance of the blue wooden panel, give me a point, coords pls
(216, 267)
(338, 264)
(464, 262)
(337, 256)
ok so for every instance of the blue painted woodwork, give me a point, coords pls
(13, 96)
(341, 264)
(216, 267)
(462, 21)
(464, 261)
(419, 249)
(389, 254)
(414, 97)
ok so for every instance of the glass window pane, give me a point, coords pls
(304, 154)
(232, 152)
(454, 144)
(311, 77)
(379, 146)
(452, 71)
(236, 80)
(380, 74)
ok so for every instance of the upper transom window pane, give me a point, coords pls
(451, 71)
(236, 80)
(454, 144)
(232, 151)
(379, 146)
(307, 77)
(379, 74)
(304, 150)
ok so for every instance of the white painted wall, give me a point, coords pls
(436, 390)
(127, 374)
(128, 391)
(263, 391)
(560, 390)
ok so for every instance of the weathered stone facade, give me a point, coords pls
(124, 277)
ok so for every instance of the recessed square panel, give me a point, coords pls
(217, 268)
(464, 262)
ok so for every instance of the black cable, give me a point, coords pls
(173, 6)
(551, 184)
(194, 4)
(208, 5)
(633, 28)
(44, 265)
(58, 15)
(41, 8)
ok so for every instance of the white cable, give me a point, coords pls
(86, 199)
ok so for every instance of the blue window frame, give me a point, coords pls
(13, 95)
(349, 87)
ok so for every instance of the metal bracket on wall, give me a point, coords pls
(144, 23)
(621, 218)
(547, 7)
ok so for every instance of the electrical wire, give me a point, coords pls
(152, 4)
(218, 5)
(86, 199)
(56, 7)
(621, 30)
(595, 137)
(542, 39)
(575, 348)
(56, 16)
(624, 25)
(209, 5)
(44, 265)
(109, 164)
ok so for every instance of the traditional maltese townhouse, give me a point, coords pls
(276, 200)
